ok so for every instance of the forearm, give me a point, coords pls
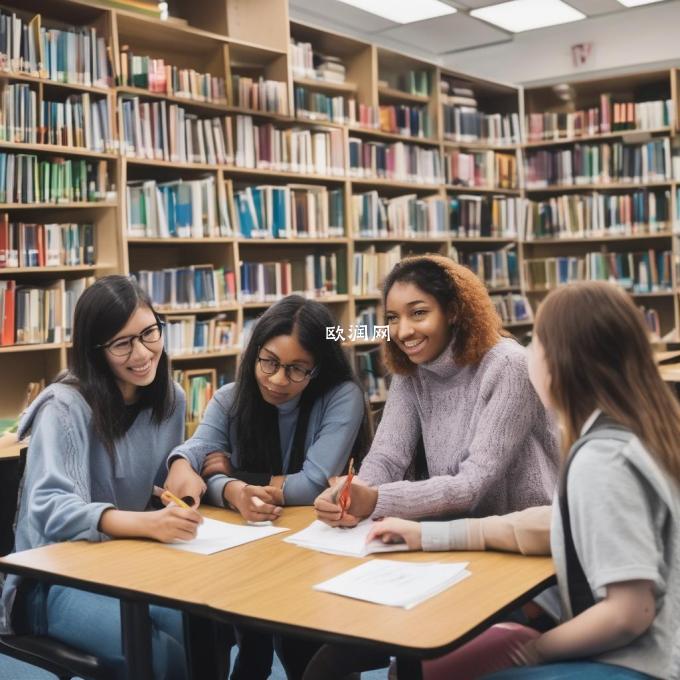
(124, 524)
(434, 497)
(599, 629)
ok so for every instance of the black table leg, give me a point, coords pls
(207, 644)
(135, 626)
(409, 668)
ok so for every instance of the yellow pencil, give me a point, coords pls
(168, 495)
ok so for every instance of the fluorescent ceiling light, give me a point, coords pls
(635, 3)
(403, 11)
(525, 15)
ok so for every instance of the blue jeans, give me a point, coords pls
(570, 669)
(91, 623)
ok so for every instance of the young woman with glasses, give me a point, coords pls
(288, 424)
(100, 436)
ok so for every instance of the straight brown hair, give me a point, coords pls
(599, 356)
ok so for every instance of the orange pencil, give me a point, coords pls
(344, 496)
(169, 496)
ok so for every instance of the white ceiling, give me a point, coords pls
(434, 38)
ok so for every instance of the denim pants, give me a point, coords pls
(570, 669)
(91, 623)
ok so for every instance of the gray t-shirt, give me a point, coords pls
(624, 513)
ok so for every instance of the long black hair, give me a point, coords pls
(101, 311)
(256, 421)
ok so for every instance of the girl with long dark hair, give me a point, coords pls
(289, 423)
(100, 437)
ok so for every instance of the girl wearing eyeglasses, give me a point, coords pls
(100, 437)
(288, 424)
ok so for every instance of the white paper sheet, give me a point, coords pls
(339, 541)
(393, 583)
(214, 536)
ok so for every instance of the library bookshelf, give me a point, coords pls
(455, 142)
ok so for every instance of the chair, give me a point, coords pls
(51, 655)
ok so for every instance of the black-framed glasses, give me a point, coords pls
(122, 347)
(294, 373)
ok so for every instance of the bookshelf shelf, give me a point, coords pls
(481, 190)
(367, 297)
(392, 94)
(613, 186)
(12, 349)
(293, 241)
(169, 164)
(51, 206)
(326, 85)
(54, 149)
(27, 78)
(226, 307)
(473, 240)
(48, 270)
(232, 170)
(198, 356)
(391, 184)
(186, 102)
(325, 299)
(479, 146)
(171, 241)
(601, 137)
(598, 239)
(279, 117)
(402, 239)
(373, 132)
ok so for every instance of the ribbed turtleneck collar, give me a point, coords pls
(444, 365)
(290, 405)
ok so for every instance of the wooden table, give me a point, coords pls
(268, 584)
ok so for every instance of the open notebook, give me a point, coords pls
(340, 541)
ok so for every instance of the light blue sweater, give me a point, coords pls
(69, 479)
(334, 422)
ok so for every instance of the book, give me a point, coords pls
(260, 94)
(481, 169)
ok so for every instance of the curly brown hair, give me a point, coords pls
(461, 295)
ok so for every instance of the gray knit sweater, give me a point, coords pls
(491, 448)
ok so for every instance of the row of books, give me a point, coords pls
(498, 269)
(260, 95)
(473, 216)
(374, 216)
(293, 211)
(512, 308)
(596, 215)
(162, 131)
(38, 314)
(412, 121)
(481, 169)
(199, 385)
(45, 245)
(26, 178)
(313, 151)
(198, 286)
(646, 271)
(413, 81)
(368, 317)
(314, 276)
(156, 76)
(77, 122)
(178, 209)
(190, 335)
(600, 164)
(312, 105)
(371, 267)
(466, 124)
(609, 117)
(394, 161)
(74, 55)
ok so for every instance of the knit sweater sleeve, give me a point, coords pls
(395, 441)
(510, 407)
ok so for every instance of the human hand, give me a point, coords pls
(184, 483)
(217, 463)
(360, 504)
(172, 523)
(255, 503)
(393, 530)
(527, 654)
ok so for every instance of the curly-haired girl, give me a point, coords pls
(462, 388)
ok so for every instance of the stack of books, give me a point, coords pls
(472, 216)
(189, 335)
(371, 267)
(396, 161)
(260, 94)
(481, 169)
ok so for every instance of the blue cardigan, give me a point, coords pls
(69, 479)
(334, 422)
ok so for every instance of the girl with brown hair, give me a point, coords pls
(462, 389)
(615, 534)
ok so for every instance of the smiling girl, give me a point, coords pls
(99, 440)
(462, 388)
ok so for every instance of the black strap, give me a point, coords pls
(580, 594)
